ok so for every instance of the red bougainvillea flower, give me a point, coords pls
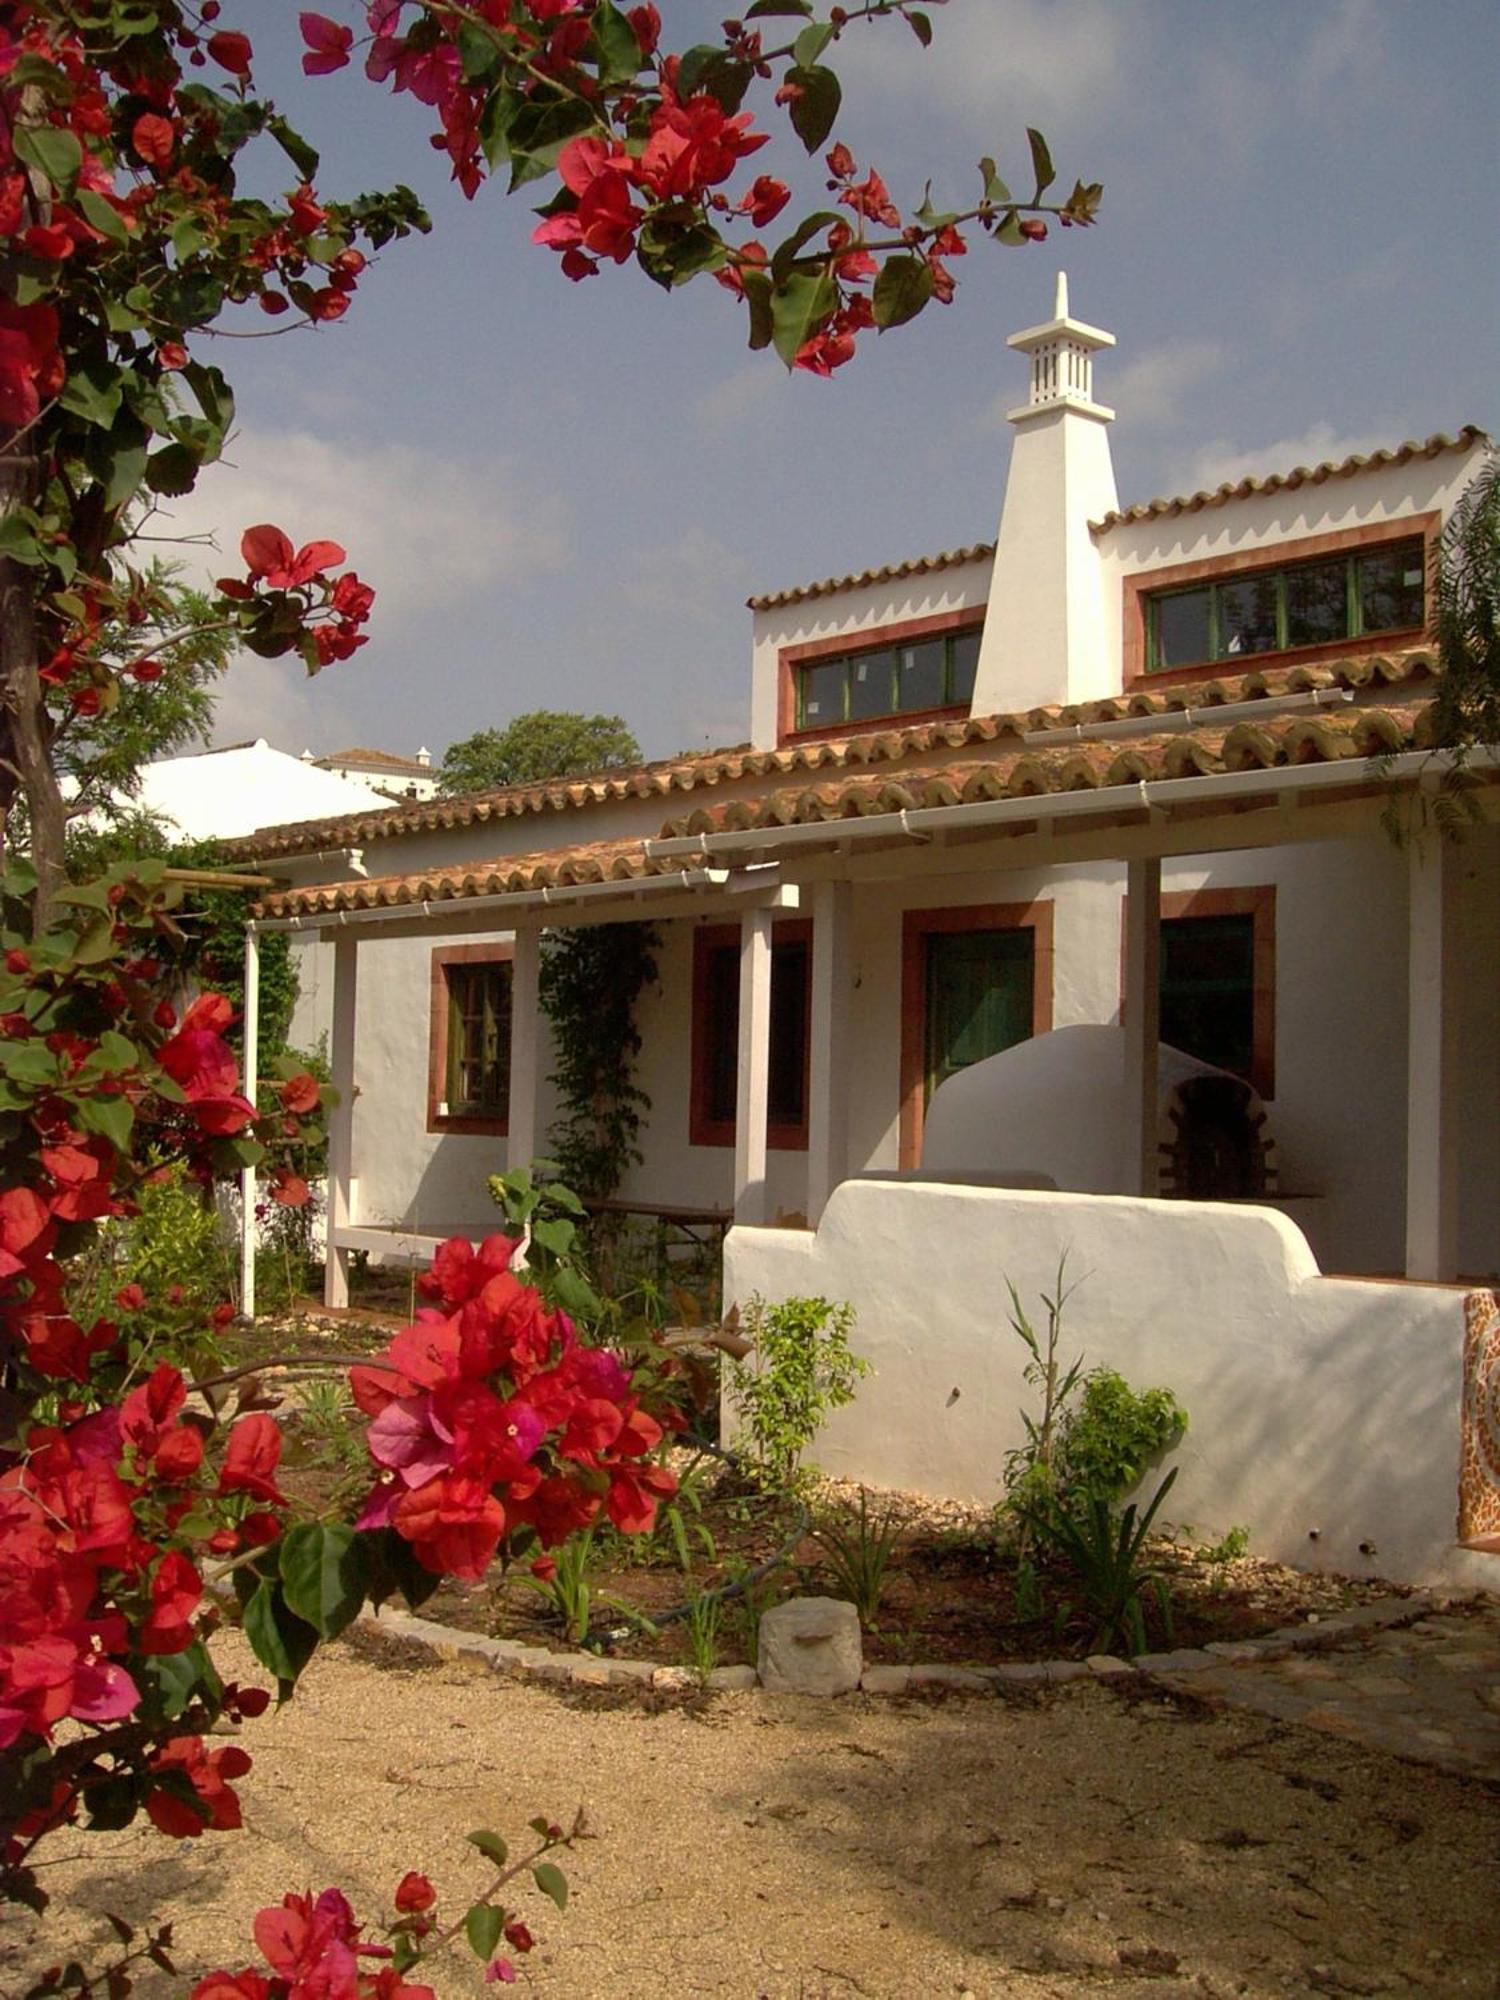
(250, 1462)
(231, 51)
(871, 199)
(694, 146)
(154, 138)
(328, 44)
(202, 1064)
(32, 369)
(414, 1893)
(766, 199)
(208, 1772)
(289, 1190)
(269, 556)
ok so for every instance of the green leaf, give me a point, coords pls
(110, 1117)
(815, 108)
(994, 188)
(616, 43)
(322, 1575)
(478, 53)
(489, 1844)
(52, 150)
(705, 68)
(117, 458)
(760, 9)
(552, 1882)
(811, 43)
(758, 303)
(902, 288)
(102, 215)
(800, 308)
(302, 156)
(178, 1676)
(785, 255)
(188, 239)
(921, 27)
(482, 1927)
(1041, 161)
(172, 470)
(18, 541)
(1008, 230)
(115, 1803)
(279, 1639)
(93, 392)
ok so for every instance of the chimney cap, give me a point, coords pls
(1062, 326)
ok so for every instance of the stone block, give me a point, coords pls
(1105, 1667)
(734, 1680)
(936, 1675)
(811, 1645)
(885, 1680)
(673, 1680)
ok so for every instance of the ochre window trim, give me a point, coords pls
(437, 1037)
(938, 625)
(1259, 903)
(1142, 584)
(916, 927)
(702, 1129)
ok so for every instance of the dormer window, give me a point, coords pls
(911, 676)
(1364, 593)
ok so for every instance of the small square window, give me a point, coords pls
(823, 693)
(1184, 628)
(1317, 603)
(1390, 589)
(965, 667)
(870, 690)
(1247, 617)
(919, 674)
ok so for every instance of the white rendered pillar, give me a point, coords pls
(1142, 1025)
(341, 1119)
(251, 1078)
(828, 1066)
(751, 1197)
(525, 1031)
(1432, 1062)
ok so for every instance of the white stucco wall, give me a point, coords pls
(1324, 1413)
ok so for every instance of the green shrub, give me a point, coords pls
(801, 1369)
(1111, 1433)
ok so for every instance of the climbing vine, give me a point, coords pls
(590, 982)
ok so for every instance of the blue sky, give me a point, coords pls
(563, 494)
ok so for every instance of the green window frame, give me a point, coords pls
(1207, 989)
(902, 677)
(1327, 600)
(477, 1084)
(979, 998)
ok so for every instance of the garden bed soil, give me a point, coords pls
(950, 1594)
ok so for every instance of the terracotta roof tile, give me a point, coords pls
(1009, 769)
(1302, 475)
(887, 745)
(887, 573)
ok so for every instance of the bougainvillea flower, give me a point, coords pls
(231, 51)
(460, 1273)
(217, 1804)
(454, 1525)
(32, 369)
(269, 555)
(251, 1460)
(328, 44)
(176, 1591)
(414, 1893)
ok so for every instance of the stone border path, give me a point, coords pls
(1415, 1677)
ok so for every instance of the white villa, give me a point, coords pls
(1125, 769)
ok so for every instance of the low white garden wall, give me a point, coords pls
(1325, 1412)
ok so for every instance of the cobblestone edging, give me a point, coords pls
(539, 1663)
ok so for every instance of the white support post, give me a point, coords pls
(828, 1066)
(1142, 1025)
(525, 1032)
(341, 1121)
(1432, 1063)
(751, 1196)
(251, 1029)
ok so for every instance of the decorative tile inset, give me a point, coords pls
(1479, 1466)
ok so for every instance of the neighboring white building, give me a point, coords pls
(393, 776)
(1121, 765)
(225, 794)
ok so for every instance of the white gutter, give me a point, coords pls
(1156, 795)
(1176, 719)
(765, 877)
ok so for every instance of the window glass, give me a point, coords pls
(1390, 588)
(1247, 616)
(1317, 602)
(1208, 989)
(822, 693)
(786, 1088)
(919, 674)
(979, 996)
(965, 664)
(478, 1040)
(1183, 628)
(870, 691)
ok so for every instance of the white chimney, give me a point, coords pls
(424, 755)
(1044, 629)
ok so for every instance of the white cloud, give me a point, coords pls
(1033, 59)
(697, 577)
(1218, 463)
(1150, 389)
(425, 528)
(277, 699)
(1343, 53)
(730, 405)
